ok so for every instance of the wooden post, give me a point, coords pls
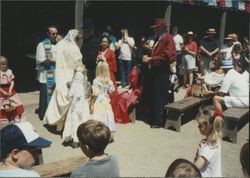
(78, 14)
(222, 28)
(167, 16)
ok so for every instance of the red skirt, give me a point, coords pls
(17, 115)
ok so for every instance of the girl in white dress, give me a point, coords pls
(79, 108)
(102, 87)
(208, 155)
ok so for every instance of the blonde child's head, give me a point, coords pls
(102, 72)
(3, 63)
(209, 125)
(93, 137)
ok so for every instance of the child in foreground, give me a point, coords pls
(208, 155)
(93, 137)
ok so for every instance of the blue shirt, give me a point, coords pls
(18, 172)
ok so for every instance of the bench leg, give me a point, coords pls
(229, 129)
(173, 120)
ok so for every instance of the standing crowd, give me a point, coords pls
(79, 93)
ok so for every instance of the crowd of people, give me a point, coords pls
(79, 93)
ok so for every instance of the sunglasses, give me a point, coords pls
(54, 34)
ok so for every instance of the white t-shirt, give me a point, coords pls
(212, 154)
(126, 49)
(237, 85)
(178, 41)
(18, 172)
(228, 51)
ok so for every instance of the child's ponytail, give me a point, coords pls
(213, 121)
(217, 125)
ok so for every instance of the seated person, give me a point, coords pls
(20, 145)
(236, 84)
(126, 99)
(93, 137)
(182, 168)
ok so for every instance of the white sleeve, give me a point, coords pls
(131, 42)
(40, 53)
(226, 83)
(207, 152)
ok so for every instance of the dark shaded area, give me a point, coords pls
(24, 24)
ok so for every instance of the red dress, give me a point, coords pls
(126, 99)
(114, 97)
(17, 114)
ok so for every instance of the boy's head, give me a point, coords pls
(182, 168)
(20, 144)
(93, 136)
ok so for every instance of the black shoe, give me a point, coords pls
(66, 143)
(37, 111)
(74, 144)
(155, 126)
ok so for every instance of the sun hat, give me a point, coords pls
(229, 37)
(211, 30)
(226, 64)
(190, 33)
(20, 136)
(159, 22)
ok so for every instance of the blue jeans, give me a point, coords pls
(125, 67)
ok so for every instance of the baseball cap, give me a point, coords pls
(21, 135)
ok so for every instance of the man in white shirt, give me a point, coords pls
(45, 59)
(178, 40)
(236, 84)
(126, 45)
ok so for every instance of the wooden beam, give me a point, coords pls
(167, 15)
(78, 14)
(222, 28)
(59, 168)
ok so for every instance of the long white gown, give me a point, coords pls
(68, 56)
(78, 110)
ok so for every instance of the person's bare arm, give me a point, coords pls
(200, 162)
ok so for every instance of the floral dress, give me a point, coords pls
(78, 110)
(16, 115)
(102, 108)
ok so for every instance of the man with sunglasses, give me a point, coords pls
(20, 144)
(45, 64)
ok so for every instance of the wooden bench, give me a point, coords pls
(234, 119)
(187, 107)
(62, 168)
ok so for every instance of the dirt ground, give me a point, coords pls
(140, 150)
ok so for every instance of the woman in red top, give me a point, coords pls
(188, 62)
(106, 54)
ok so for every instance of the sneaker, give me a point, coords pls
(74, 144)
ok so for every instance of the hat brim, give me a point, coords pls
(228, 38)
(39, 143)
(211, 32)
(226, 67)
(155, 26)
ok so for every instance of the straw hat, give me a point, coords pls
(229, 37)
(190, 33)
(211, 30)
(159, 22)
